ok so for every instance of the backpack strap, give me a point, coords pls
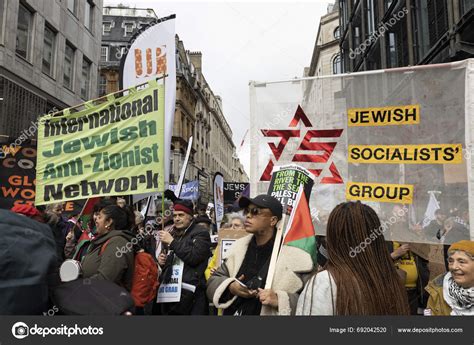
(102, 249)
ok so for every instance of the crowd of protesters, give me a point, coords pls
(119, 244)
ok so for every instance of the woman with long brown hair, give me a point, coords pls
(359, 277)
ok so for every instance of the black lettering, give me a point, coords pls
(376, 156)
(368, 155)
(448, 154)
(364, 117)
(355, 153)
(71, 191)
(126, 111)
(394, 193)
(409, 114)
(404, 192)
(122, 185)
(425, 154)
(52, 192)
(104, 117)
(366, 191)
(378, 116)
(398, 114)
(436, 152)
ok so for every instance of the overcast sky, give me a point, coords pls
(243, 41)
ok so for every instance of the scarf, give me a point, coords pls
(460, 300)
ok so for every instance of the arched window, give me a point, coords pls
(336, 64)
(337, 33)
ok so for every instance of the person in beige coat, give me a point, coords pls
(237, 286)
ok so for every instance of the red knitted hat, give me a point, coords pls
(26, 209)
(181, 207)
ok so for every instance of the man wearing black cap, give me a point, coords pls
(190, 243)
(237, 286)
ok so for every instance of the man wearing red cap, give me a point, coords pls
(191, 244)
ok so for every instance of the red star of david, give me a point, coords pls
(306, 145)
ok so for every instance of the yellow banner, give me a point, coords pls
(395, 193)
(114, 148)
(384, 116)
(406, 154)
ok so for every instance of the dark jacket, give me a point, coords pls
(27, 264)
(193, 248)
(56, 226)
(116, 263)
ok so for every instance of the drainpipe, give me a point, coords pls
(411, 57)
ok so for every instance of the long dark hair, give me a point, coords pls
(366, 280)
(102, 203)
(120, 217)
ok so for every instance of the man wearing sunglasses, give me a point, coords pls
(237, 286)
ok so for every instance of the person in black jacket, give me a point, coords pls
(27, 264)
(190, 243)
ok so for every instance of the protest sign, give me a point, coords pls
(152, 54)
(226, 239)
(17, 175)
(286, 181)
(189, 190)
(380, 137)
(232, 191)
(171, 292)
(112, 148)
(218, 191)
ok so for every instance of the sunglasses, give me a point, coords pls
(253, 211)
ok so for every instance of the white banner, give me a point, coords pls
(151, 55)
(218, 188)
(171, 292)
(385, 137)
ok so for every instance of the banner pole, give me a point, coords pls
(179, 186)
(80, 215)
(105, 97)
(275, 251)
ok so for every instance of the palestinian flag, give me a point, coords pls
(88, 209)
(300, 230)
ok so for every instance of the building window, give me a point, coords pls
(89, 15)
(106, 28)
(25, 21)
(86, 77)
(49, 48)
(68, 66)
(104, 53)
(102, 85)
(392, 50)
(466, 6)
(337, 33)
(128, 28)
(336, 64)
(421, 29)
(71, 6)
(2, 11)
(370, 12)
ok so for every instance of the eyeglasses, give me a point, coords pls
(254, 211)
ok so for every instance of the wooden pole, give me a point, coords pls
(105, 97)
(276, 251)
